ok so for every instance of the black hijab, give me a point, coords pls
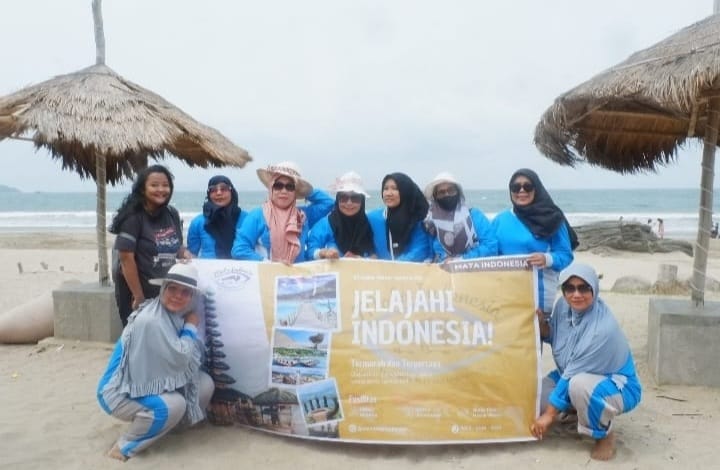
(402, 219)
(220, 221)
(352, 233)
(542, 217)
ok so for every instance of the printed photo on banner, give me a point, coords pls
(320, 402)
(307, 301)
(299, 356)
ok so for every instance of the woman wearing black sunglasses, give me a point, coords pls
(345, 232)
(278, 230)
(595, 376)
(212, 233)
(536, 227)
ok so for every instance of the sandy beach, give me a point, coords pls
(50, 418)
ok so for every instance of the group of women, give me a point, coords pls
(434, 225)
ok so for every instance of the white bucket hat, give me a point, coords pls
(291, 170)
(442, 177)
(350, 182)
(180, 273)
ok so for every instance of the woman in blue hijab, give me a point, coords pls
(595, 374)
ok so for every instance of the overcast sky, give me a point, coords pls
(374, 86)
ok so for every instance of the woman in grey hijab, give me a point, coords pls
(595, 375)
(153, 378)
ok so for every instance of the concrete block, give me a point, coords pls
(683, 346)
(86, 312)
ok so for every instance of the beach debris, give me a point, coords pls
(670, 398)
(687, 414)
(44, 265)
(14, 375)
(20, 268)
(62, 268)
(96, 267)
(627, 236)
(28, 322)
(632, 285)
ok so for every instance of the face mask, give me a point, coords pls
(448, 203)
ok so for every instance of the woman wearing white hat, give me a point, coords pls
(153, 378)
(277, 231)
(457, 231)
(345, 232)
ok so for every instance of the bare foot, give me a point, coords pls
(116, 454)
(604, 448)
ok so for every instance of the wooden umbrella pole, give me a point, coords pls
(706, 203)
(100, 231)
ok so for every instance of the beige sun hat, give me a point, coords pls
(442, 177)
(350, 182)
(180, 273)
(291, 170)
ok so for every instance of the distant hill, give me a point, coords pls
(8, 189)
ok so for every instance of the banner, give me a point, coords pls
(374, 351)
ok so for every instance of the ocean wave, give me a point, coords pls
(677, 224)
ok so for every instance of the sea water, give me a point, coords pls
(75, 211)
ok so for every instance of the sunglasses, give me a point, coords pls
(527, 187)
(279, 186)
(569, 289)
(223, 188)
(354, 198)
(451, 191)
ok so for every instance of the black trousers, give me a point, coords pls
(123, 296)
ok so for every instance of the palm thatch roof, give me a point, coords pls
(633, 116)
(96, 111)
(274, 396)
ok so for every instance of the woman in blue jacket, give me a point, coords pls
(212, 233)
(535, 227)
(398, 232)
(278, 230)
(345, 232)
(457, 231)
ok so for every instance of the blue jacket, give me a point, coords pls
(321, 237)
(514, 238)
(486, 246)
(418, 248)
(320, 205)
(252, 238)
(200, 242)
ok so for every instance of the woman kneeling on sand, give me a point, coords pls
(153, 378)
(595, 373)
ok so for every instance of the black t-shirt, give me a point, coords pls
(154, 238)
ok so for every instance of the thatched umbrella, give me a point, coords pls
(275, 396)
(633, 117)
(105, 127)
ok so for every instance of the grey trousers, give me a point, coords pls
(596, 399)
(153, 416)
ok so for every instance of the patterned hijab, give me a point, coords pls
(285, 227)
(220, 222)
(450, 222)
(401, 220)
(542, 217)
